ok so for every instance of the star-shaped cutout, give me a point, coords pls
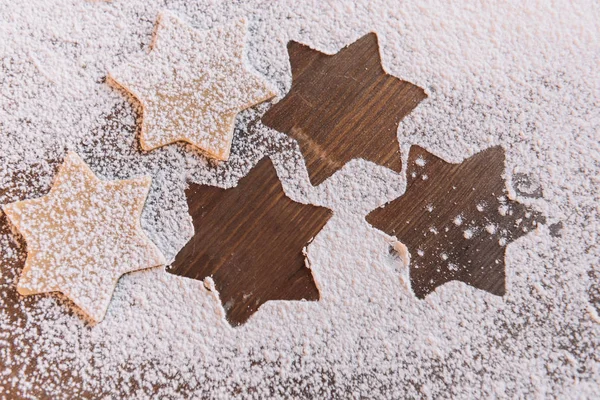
(192, 85)
(343, 106)
(250, 240)
(456, 221)
(83, 235)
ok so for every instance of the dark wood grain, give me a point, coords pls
(343, 106)
(250, 240)
(340, 107)
(426, 219)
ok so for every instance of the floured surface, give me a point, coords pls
(512, 76)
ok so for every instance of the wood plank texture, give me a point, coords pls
(250, 240)
(455, 220)
(343, 106)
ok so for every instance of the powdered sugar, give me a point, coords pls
(520, 75)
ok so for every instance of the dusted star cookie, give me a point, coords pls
(83, 235)
(192, 85)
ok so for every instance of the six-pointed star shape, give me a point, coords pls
(250, 240)
(456, 221)
(192, 85)
(83, 235)
(343, 106)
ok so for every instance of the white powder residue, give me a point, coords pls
(522, 75)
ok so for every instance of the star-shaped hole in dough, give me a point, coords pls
(83, 235)
(456, 220)
(192, 84)
(250, 240)
(342, 107)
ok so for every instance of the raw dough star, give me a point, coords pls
(83, 235)
(192, 85)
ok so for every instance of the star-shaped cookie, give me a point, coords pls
(192, 84)
(250, 240)
(83, 235)
(456, 220)
(343, 106)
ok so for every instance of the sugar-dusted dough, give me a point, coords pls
(83, 235)
(192, 85)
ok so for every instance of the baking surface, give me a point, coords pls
(456, 221)
(517, 83)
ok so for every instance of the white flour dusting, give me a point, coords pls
(522, 75)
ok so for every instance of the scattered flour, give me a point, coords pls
(523, 75)
(458, 220)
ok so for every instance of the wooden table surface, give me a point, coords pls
(340, 107)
